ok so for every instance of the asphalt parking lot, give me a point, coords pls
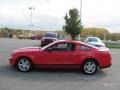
(11, 79)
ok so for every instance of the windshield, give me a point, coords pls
(50, 35)
(93, 40)
(47, 46)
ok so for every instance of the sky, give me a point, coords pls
(49, 14)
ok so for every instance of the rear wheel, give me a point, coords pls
(89, 67)
(24, 64)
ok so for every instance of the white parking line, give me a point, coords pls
(111, 84)
(89, 78)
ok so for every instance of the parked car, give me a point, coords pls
(36, 37)
(62, 54)
(48, 38)
(95, 41)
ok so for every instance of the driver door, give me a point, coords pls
(55, 54)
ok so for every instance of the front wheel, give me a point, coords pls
(24, 64)
(90, 67)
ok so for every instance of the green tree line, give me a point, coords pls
(7, 32)
(98, 32)
(102, 33)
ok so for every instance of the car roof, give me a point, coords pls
(72, 41)
(69, 41)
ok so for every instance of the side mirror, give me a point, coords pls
(49, 49)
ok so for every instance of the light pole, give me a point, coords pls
(31, 24)
(81, 10)
(80, 15)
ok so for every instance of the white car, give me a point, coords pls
(95, 41)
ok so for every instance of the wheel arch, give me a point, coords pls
(93, 59)
(88, 60)
(17, 59)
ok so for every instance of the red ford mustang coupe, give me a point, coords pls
(62, 54)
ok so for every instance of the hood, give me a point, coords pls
(27, 49)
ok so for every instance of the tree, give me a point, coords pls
(73, 25)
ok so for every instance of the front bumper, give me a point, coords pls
(11, 61)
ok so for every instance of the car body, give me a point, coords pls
(95, 41)
(62, 54)
(36, 37)
(48, 38)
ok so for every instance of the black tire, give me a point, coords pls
(89, 67)
(24, 64)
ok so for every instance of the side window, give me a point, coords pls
(83, 47)
(63, 47)
(60, 47)
(71, 46)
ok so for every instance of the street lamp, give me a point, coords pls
(31, 24)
